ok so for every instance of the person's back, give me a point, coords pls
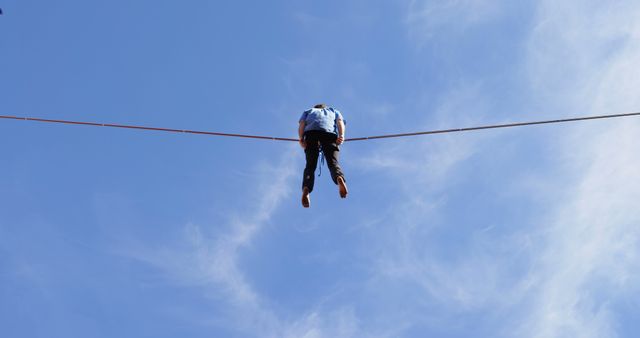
(321, 128)
(322, 119)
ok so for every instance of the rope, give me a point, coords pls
(430, 132)
(185, 131)
(495, 126)
(321, 160)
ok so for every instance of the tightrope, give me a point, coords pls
(429, 132)
(496, 126)
(170, 130)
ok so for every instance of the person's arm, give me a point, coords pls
(303, 144)
(341, 130)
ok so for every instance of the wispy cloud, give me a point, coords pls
(562, 276)
(428, 160)
(429, 18)
(424, 170)
(212, 261)
(342, 323)
(589, 256)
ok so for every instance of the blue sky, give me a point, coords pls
(529, 232)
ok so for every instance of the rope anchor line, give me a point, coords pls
(429, 132)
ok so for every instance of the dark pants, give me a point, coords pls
(317, 140)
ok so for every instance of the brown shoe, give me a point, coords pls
(342, 187)
(306, 200)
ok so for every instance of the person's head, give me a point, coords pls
(320, 106)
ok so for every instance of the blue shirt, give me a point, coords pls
(323, 119)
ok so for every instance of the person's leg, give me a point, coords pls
(331, 152)
(311, 153)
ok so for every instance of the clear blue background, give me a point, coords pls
(529, 232)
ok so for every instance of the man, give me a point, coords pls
(321, 128)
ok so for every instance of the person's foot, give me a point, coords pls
(342, 187)
(306, 199)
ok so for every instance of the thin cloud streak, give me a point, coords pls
(428, 18)
(581, 258)
(213, 263)
(404, 258)
(589, 257)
